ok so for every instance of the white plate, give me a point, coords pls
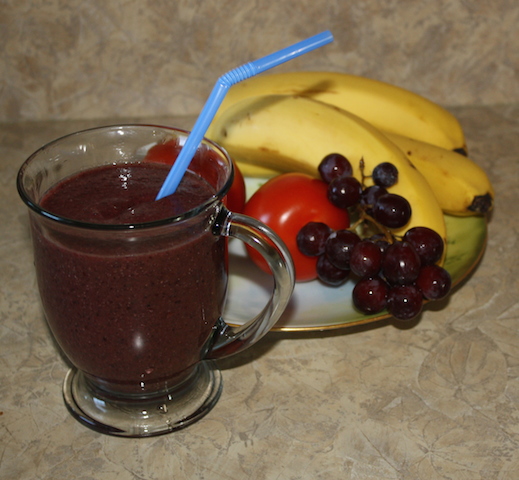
(315, 306)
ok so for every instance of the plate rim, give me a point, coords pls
(384, 315)
(252, 183)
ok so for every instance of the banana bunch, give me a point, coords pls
(290, 121)
(293, 133)
(387, 107)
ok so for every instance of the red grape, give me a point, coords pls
(339, 246)
(385, 174)
(334, 165)
(366, 259)
(404, 301)
(392, 210)
(329, 274)
(427, 243)
(344, 192)
(370, 195)
(370, 295)
(401, 264)
(434, 282)
(311, 239)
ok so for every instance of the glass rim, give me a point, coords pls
(35, 207)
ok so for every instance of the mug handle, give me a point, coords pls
(228, 339)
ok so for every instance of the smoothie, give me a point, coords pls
(135, 307)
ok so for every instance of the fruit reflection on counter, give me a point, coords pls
(360, 174)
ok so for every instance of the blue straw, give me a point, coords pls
(214, 101)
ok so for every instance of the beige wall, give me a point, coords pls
(103, 58)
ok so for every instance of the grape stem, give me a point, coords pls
(362, 174)
(364, 217)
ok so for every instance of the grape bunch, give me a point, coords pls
(390, 272)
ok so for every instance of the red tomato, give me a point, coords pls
(288, 202)
(235, 199)
(168, 152)
(164, 152)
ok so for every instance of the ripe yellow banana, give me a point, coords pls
(385, 106)
(461, 186)
(251, 170)
(292, 133)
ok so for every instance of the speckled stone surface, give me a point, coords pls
(95, 59)
(439, 400)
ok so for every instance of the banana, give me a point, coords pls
(292, 133)
(386, 106)
(250, 170)
(461, 186)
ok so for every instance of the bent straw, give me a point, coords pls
(217, 95)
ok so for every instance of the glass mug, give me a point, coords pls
(137, 308)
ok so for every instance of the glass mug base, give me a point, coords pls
(163, 413)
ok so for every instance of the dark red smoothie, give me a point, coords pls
(132, 308)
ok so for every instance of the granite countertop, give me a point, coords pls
(438, 400)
